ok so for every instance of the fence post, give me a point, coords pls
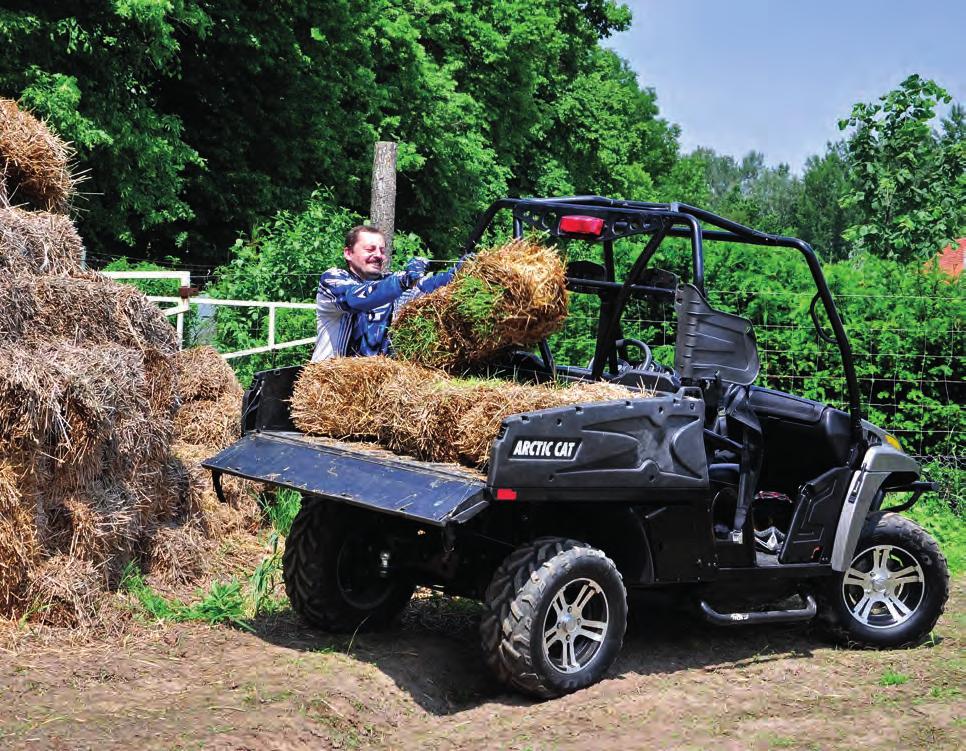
(382, 207)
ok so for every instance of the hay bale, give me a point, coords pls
(205, 374)
(64, 591)
(506, 297)
(34, 163)
(81, 413)
(179, 553)
(424, 413)
(19, 546)
(89, 310)
(38, 242)
(345, 397)
(210, 423)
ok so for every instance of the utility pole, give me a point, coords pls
(382, 207)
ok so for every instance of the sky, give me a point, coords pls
(777, 75)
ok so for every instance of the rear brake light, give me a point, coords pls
(506, 494)
(581, 225)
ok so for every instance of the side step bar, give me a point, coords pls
(765, 616)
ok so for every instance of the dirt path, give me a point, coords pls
(677, 684)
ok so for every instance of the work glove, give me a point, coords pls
(414, 271)
(463, 259)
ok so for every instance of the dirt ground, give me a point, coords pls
(678, 684)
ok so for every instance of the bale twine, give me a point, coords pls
(506, 297)
(38, 243)
(34, 163)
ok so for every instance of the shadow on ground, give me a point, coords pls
(433, 652)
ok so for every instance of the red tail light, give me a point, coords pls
(506, 494)
(588, 226)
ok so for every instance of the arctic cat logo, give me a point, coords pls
(545, 449)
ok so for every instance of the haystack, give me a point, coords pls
(506, 297)
(34, 163)
(89, 480)
(420, 412)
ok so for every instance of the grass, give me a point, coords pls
(236, 601)
(892, 678)
(947, 525)
(413, 337)
(476, 301)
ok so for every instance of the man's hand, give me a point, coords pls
(414, 271)
(463, 259)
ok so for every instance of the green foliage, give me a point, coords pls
(222, 603)
(476, 300)
(155, 287)
(908, 182)
(283, 509)
(198, 120)
(414, 337)
(892, 678)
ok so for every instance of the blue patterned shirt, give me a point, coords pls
(352, 315)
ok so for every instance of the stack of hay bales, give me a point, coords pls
(207, 421)
(88, 397)
(422, 412)
(505, 297)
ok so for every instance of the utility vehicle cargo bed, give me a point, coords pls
(356, 473)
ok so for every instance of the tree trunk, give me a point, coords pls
(382, 210)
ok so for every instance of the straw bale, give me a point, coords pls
(345, 396)
(205, 374)
(179, 553)
(420, 412)
(89, 310)
(38, 242)
(505, 297)
(19, 546)
(34, 163)
(210, 423)
(65, 591)
(241, 510)
(81, 412)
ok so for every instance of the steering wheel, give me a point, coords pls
(644, 364)
(648, 355)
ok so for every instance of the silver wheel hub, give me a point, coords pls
(884, 586)
(575, 625)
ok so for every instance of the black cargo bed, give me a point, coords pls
(359, 474)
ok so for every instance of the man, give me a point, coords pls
(354, 306)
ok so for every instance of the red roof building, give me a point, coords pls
(951, 259)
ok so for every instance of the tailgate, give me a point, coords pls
(432, 493)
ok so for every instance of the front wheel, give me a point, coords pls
(335, 571)
(894, 590)
(556, 612)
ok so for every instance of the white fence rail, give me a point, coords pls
(178, 306)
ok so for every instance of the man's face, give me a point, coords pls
(367, 257)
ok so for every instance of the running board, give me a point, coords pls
(765, 616)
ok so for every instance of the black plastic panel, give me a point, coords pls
(414, 490)
(630, 445)
(710, 342)
(815, 520)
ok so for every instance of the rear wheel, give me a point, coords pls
(895, 588)
(336, 573)
(556, 612)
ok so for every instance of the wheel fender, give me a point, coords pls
(879, 463)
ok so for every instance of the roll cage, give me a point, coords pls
(620, 219)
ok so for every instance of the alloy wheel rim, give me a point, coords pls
(575, 625)
(883, 587)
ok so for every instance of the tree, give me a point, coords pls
(908, 181)
(820, 218)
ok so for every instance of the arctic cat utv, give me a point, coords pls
(758, 506)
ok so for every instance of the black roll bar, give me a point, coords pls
(661, 220)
